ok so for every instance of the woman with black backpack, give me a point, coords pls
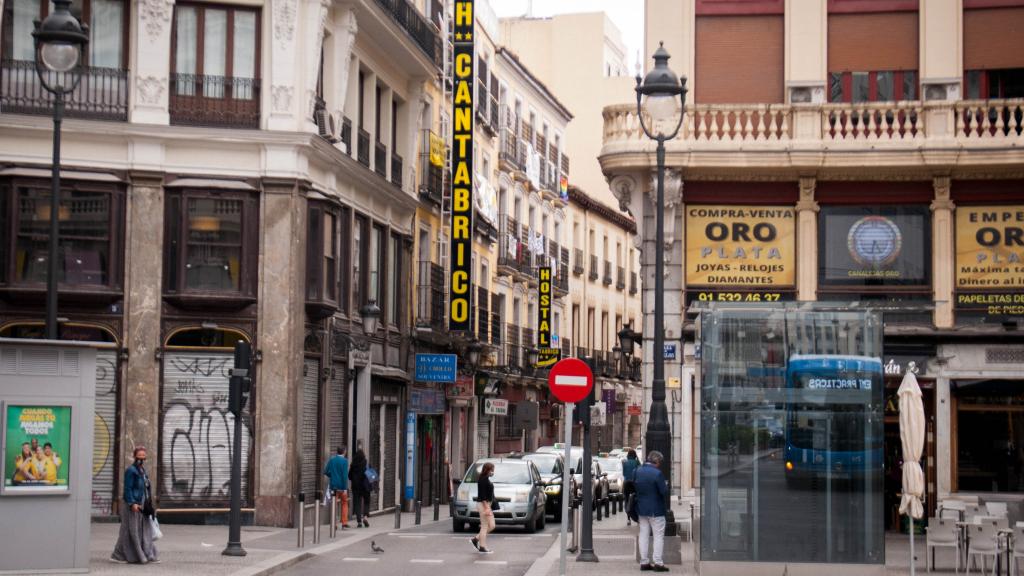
(361, 488)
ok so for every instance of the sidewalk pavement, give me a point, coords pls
(196, 550)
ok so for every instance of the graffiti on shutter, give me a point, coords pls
(197, 430)
(388, 479)
(104, 430)
(483, 438)
(374, 454)
(309, 426)
(337, 394)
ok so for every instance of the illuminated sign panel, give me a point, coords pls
(548, 355)
(459, 314)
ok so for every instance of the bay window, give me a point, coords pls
(873, 86)
(358, 263)
(322, 256)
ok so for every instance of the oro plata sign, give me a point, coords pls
(990, 248)
(751, 246)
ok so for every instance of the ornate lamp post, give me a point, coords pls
(370, 314)
(59, 41)
(657, 105)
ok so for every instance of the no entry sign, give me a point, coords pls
(571, 380)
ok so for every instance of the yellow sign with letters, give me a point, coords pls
(989, 247)
(749, 246)
(459, 313)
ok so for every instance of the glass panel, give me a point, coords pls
(860, 87)
(989, 430)
(792, 448)
(885, 87)
(83, 251)
(357, 264)
(974, 79)
(330, 251)
(244, 57)
(910, 85)
(185, 53)
(376, 240)
(393, 281)
(105, 33)
(214, 244)
(18, 25)
(215, 46)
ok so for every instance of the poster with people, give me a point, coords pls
(36, 448)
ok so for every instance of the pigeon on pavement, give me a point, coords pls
(375, 548)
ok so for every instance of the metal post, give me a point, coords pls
(241, 363)
(316, 519)
(658, 431)
(398, 517)
(597, 512)
(575, 546)
(301, 524)
(587, 538)
(437, 508)
(614, 504)
(566, 489)
(334, 515)
(51, 274)
(418, 504)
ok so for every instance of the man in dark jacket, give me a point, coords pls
(337, 471)
(651, 494)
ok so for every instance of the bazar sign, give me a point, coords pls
(740, 246)
(462, 169)
(989, 247)
(436, 367)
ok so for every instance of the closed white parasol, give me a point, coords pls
(912, 437)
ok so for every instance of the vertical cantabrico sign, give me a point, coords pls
(548, 356)
(462, 169)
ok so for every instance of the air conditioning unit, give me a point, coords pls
(326, 124)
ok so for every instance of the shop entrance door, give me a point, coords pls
(428, 458)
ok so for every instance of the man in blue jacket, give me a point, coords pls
(337, 470)
(651, 494)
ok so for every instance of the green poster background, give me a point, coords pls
(45, 424)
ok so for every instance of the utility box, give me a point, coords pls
(46, 435)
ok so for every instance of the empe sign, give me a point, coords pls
(571, 380)
(459, 318)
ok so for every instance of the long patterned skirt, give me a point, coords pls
(135, 539)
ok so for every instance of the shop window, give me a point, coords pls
(989, 431)
(505, 425)
(985, 84)
(205, 338)
(394, 281)
(211, 243)
(378, 245)
(359, 259)
(874, 86)
(107, 20)
(322, 254)
(89, 245)
(344, 258)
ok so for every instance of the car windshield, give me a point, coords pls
(504, 473)
(611, 464)
(546, 463)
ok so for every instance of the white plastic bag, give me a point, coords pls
(155, 525)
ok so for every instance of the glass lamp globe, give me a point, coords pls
(59, 56)
(661, 107)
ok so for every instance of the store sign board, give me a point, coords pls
(548, 354)
(459, 317)
(739, 296)
(990, 247)
(874, 245)
(634, 410)
(749, 246)
(995, 306)
(426, 401)
(436, 367)
(496, 406)
(462, 389)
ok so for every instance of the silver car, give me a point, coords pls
(613, 467)
(518, 488)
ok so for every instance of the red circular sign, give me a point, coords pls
(571, 380)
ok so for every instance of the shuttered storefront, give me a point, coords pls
(309, 426)
(196, 432)
(872, 42)
(337, 395)
(104, 445)
(384, 440)
(739, 59)
(483, 439)
(374, 455)
(390, 476)
(992, 38)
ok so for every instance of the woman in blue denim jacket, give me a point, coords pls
(135, 539)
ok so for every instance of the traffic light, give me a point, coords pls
(240, 383)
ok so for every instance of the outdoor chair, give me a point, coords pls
(1017, 545)
(996, 509)
(952, 509)
(984, 542)
(941, 533)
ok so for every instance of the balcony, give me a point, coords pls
(483, 316)
(430, 301)
(380, 159)
(101, 94)
(594, 273)
(216, 101)
(528, 339)
(363, 148)
(607, 279)
(496, 328)
(510, 249)
(632, 283)
(431, 175)
(396, 170)
(577, 262)
(346, 134)
(512, 151)
(620, 278)
(901, 135)
(422, 31)
(513, 352)
(566, 348)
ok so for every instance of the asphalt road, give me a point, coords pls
(433, 550)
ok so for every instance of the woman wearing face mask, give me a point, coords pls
(135, 540)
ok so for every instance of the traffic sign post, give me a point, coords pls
(571, 380)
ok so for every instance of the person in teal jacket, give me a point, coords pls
(336, 471)
(629, 466)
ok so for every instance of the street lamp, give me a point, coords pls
(473, 350)
(370, 314)
(656, 100)
(532, 357)
(627, 340)
(59, 41)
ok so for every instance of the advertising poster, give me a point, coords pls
(874, 245)
(37, 448)
(741, 246)
(989, 248)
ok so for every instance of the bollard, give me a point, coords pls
(334, 517)
(437, 508)
(597, 510)
(574, 523)
(607, 505)
(301, 524)
(418, 504)
(622, 500)
(316, 519)
(615, 505)
(398, 517)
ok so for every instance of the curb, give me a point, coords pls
(542, 566)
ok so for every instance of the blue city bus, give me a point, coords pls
(831, 431)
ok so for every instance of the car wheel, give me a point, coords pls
(541, 521)
(530, 526)
(458, 526)
(558, 513)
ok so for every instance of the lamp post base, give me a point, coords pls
(234, 549)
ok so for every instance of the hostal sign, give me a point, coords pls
(459, 318)
(740, 246)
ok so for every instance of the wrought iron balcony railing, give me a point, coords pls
(380, 159)
(594, 273)
(607, 279)
(632, 283)
(620, 278)
(346, 134)
(423, 32)
(219, 101)
(430, 304)
(577, 261)
(101, 94)
(396, 170)
(363, 148)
